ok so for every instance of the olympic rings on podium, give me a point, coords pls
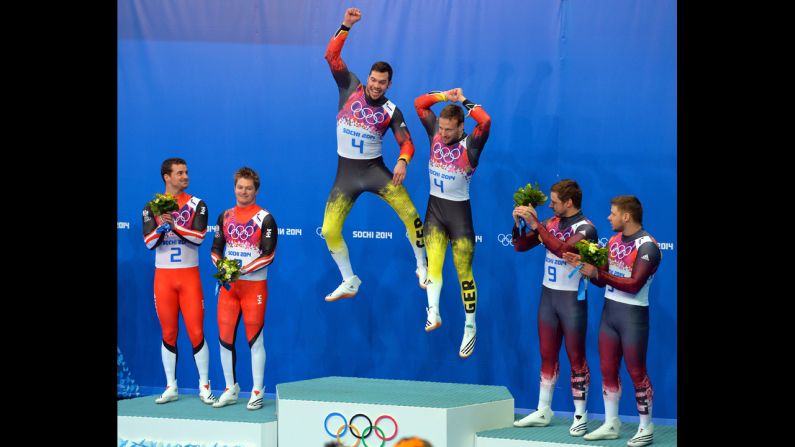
(367, 433)
(385, 416)
(359, 434)
(352, 427)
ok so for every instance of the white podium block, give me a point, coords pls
(556, 434)
(311, 412)
(190, 421)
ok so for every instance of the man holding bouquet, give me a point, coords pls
(247, 236)
(633, 258)
(560, 313)
(174, 226)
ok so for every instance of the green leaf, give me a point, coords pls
(529, 195)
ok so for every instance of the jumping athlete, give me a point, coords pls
(246, 233)
(624, 330)
(176, 237)
(453, 159)
(560, 312)
(363, 118)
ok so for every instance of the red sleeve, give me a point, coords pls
(406, 145)
(600, 280)
(423, 107)
(641, 272)
(195, 234)
(525, 240)
(267, 246)
(477, 139)
(334, 58)
(402, 135)
(557, 246)
(481, 132)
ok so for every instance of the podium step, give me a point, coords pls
(312, 412)
(556, 434)
(190, 421)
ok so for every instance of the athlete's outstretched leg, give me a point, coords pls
(463, 252)
(436, 244)
(398, 198)
(337, 208)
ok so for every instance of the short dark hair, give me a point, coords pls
(381, 67)
(452, 111)
(246, 172)
(165, 168)
(631, 205)
(568, 189)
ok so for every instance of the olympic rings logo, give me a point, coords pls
(319, 232)
(603, 242)
(620, 251)
(445, 153)
(505, 239)
(366, 114)
(182, 218)
(239, 231)
(361, 436)
(559, 235)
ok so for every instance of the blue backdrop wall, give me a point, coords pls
(576, 89)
